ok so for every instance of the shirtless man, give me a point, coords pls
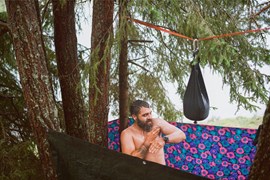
(143, 139)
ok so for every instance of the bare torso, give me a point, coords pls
(138, 138)
(149, 145)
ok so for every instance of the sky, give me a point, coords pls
(218, 93)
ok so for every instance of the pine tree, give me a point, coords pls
(30, 56)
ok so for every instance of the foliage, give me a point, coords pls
(237, 59)
(19, 161)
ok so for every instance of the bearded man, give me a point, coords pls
(146, 138)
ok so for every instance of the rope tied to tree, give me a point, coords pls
(172, 32)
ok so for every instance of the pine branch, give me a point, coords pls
(138, 58)
(253, 16)
(3, 27)
(164, 43)
(3, 23)
(44, 11)
(143, 41)
(262, 10)
(139, 66)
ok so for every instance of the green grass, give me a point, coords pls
(240, 122)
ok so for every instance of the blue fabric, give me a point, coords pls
(211, 151)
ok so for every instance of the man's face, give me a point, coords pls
(144, 119)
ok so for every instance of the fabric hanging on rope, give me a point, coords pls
(196, 102)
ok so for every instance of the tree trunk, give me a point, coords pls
(68, 68)
(31, 61)
(260, 168)
(102, 25)
(123, 67)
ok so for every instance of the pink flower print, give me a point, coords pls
(216, 138)
(186, 146)
(235, 166)
(241, 177)
(211, 176)
(220, 173)
(222, 150)
(251, 131)
(231, 140)
(204, 135)
(177, 158)
(184, 128)
(212, 164)
(204, 172)
(210, 128)
(185, 167)
(201, 146)
(247, 157)
(244, 140)
(166, 156)
(170, 164)
(193, 150)
(173, 123)
(230, 155)
(198, 161)
(221, 132)
(171, 149)
(204, 155)
(189, 158)
(242, 160)
(239, 150)
(224, 163)
(112, 145)
(193, 136)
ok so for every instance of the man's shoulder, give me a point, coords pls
(158, 121)
(128, 130)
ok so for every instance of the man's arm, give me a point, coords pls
(128, 146)
(174, 134)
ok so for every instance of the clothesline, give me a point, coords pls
(199, 39)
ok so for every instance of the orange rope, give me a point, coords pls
(160, 28)
(234, 33)
(199, 39)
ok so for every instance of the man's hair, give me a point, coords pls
(136, 106)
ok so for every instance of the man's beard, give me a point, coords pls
(146, 126)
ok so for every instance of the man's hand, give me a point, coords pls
(156, 145)
(151, 136)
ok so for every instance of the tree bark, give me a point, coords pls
(102, 25)
(30, 56)
(260, 168)
(68, 68)
(123, 67)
